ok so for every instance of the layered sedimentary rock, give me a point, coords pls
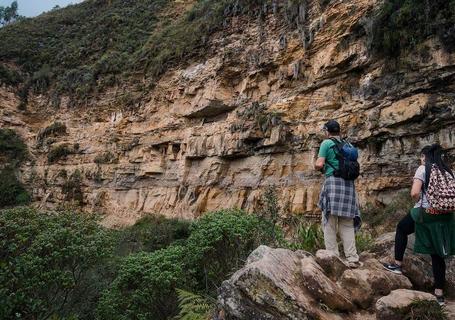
(216, 132)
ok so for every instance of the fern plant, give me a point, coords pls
(193, 306)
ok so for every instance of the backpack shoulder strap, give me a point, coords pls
(338, 144)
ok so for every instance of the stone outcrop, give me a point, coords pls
(282, 284)
(214, 133)
(398, 303)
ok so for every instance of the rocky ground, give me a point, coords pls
(282, 284)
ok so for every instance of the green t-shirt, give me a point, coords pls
(326, 151)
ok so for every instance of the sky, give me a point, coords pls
(31, 8)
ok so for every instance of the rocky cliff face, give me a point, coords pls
(217, 132)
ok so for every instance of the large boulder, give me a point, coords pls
(417, 267)
(331, 263)
(398, 303)
(283, 284)
(270, 287)
(370, 282)
(322, 288)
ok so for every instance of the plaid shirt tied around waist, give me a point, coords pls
(338, 198)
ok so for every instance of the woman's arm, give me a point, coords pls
(416, 189)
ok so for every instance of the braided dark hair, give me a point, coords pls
(434, 154)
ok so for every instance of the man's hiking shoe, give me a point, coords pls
(441, 300)
(393, 267)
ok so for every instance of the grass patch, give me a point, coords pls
(307, 236)
(425, 310)
(80, 48)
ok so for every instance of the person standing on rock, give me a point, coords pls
(434, 188)
(338, 200)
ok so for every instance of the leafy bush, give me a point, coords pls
(145, 286)
(403, 24)
(58, 152)
(12, 148)
(221, 241)
(151, 233)
(44, 260)
(12, 192)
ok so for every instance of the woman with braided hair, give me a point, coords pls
(435, 231)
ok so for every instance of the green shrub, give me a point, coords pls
(58, 152)
(218, 244)
(221, 241)
(145, 286)
(12, 148)
(12, 192)
(403, 24)
(151, 233)
(270, 209)
(45, 257)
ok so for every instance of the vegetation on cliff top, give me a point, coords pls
(403, 24)
(82, 49)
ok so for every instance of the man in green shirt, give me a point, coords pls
(338, 199)
(327, 154)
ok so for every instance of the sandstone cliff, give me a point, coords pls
(216, 132)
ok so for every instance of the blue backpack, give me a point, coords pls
(347, 156)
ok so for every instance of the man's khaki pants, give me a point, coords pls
(346, 228)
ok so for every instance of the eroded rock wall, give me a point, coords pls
(217, 132)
